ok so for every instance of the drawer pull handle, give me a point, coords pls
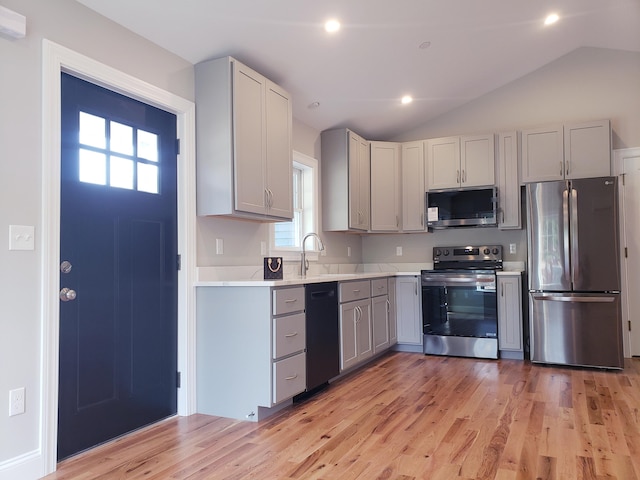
(291, 378)
(291, 301)
(288, 335)
(356, 291)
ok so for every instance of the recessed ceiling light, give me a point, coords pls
(424, 45)
(332, 26)
(406, 99)
(551, 19)
(313, 105)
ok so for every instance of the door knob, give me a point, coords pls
(67, 295)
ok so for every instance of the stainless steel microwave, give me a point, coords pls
(462, 208)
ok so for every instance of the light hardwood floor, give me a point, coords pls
(406, 416)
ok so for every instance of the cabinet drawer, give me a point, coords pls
(379, 286)
(289, 377)
(288, 335)
(358, 290)
(288, 300)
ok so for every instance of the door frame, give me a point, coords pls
(57, 59)
(618, 159)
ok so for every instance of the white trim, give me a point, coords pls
(618, 169)
(55, 59)
(293, 253)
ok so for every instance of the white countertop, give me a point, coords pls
(251, 276)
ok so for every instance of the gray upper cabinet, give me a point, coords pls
(346, 182)
(460, 162)
(385, 187)
(509, 197)
(244, 156)
(413, 186)
(572, 150)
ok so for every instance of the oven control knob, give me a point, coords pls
(446, 252)
(438, 253)
(487, 251)
(495, 251)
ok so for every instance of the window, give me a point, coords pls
(128, 160)
(286, 237)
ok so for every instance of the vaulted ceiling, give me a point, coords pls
(443, 53)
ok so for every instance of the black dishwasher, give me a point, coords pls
(323, 335)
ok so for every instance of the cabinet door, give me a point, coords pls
(413, 187)
(385, 186)
(509, 312)
(348, 342)
(364, 188)
(279, 161)
(250, 140)
(443, 163)
(477, 161)
(393, 325)
(409, 310)
(587, 149)
(542, 154)
(509, 212)
(364, 331)
(359, 182)
(380, 321)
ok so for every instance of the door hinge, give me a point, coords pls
(177, 146)
(178, 379)
(178, 262)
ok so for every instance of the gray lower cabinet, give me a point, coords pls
(409, 310)
(510, 315)
(380, 312)
(250, 350)
(356, 342)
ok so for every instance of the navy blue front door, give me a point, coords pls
(118, 248)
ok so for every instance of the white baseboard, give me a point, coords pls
(24, 467)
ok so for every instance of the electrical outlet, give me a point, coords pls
(16, 401)
(219, 246)
(399, 251)
(348, 251)
(512, 248)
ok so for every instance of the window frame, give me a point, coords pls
(311, 203)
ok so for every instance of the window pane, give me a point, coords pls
(284, 234)
(121, 138)
(121, 172)
(287, 234)
(147, 178)
(148, 145)
(92, 130)
(92, 167)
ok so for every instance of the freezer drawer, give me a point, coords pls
(576, 329)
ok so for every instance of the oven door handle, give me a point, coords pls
(439, 280)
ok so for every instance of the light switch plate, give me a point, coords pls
(21, 237)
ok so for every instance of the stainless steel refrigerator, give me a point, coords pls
(574, 272)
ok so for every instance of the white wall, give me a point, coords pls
(71, 25)
(586, 84)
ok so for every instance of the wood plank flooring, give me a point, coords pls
(406, 416)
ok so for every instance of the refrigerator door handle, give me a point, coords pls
(571, 298)
(565, 219)
(575, 254)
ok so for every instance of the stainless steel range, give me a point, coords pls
(459, 301)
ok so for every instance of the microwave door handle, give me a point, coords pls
(565, 236)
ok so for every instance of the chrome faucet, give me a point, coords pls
(304, 263)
